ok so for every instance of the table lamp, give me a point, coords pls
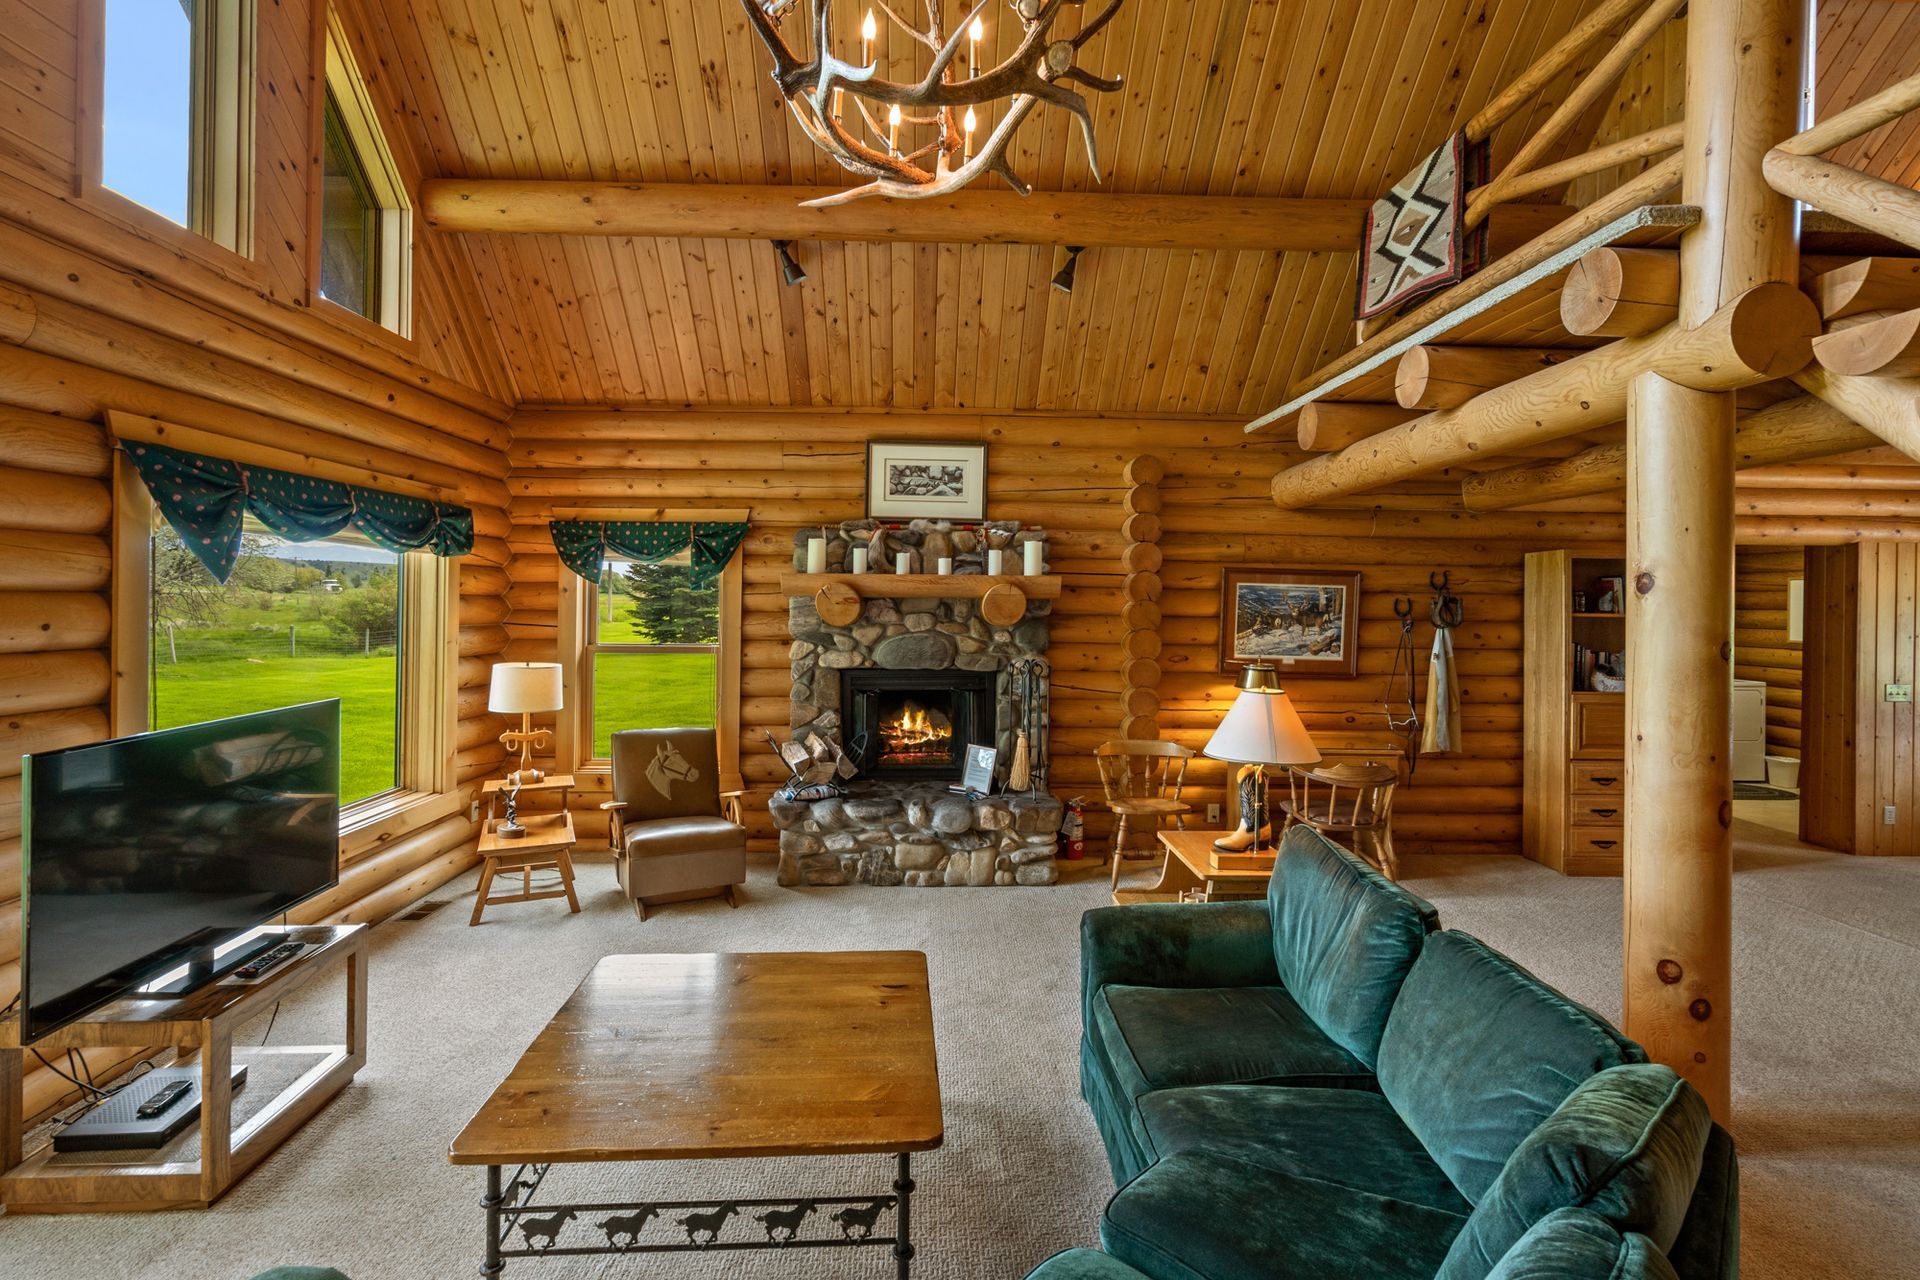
(525, 688)
(1261, 728)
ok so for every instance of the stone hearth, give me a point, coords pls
(888, 833)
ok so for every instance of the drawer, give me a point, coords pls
(1599, 777)
(1589, 840)
(1596, 811)
(1599, 725)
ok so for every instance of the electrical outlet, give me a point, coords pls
(1213, 815)
(473, 811)
(1899, 693)
(1889, 815)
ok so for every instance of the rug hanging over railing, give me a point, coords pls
(1415, 242)
(206, 499)
(584, 544)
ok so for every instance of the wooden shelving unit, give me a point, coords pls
(1575, 741)
(202, 1026)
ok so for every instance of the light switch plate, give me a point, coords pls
(1889, 816)
(1899, 693)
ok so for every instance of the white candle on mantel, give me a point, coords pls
(996, 561)
(901, 559)
(816, 555)
(945, 565)
(1033, 553)
(859, 559)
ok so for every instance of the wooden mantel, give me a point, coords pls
(1003, 596)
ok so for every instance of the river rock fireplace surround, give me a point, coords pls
(903, 689)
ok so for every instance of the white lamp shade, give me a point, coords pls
(1262, 728)
(524, 688)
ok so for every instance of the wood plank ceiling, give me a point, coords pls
(1326, 98)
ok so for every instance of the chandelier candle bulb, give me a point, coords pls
(996, 561)
(1032, 553)
(859, 559)
(972, 122)
(816, 555)
(901, 561)
(869, 31)
(975, 34)
(945, 564)
(893, 129)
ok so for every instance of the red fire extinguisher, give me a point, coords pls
(1073, 829)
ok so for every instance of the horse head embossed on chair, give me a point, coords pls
(675, 835)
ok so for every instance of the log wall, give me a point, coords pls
(109, 311)
(795, 469)
(1761, 650)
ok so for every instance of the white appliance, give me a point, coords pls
(1749, 731)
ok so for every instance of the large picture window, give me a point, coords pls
(652, 648)
(365, 236)
(296, 621)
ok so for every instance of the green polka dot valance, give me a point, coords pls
(205, 499)
(584, 544)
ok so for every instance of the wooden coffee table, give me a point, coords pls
(1190, 872)
(714, 1057)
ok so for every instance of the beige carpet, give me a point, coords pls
(1828, 1018)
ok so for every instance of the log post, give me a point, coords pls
(1679, 811)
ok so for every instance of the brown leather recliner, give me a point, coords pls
(675, 834)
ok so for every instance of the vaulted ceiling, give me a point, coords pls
(1325, 98)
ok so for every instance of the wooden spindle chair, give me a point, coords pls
(1142, 779)
(1349, 802)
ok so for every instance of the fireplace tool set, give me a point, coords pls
(1029, 768)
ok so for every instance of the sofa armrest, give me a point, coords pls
(616, 833)
(1176, 944)
(730, 807)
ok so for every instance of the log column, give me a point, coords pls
(1679, 812)
(1140, 561)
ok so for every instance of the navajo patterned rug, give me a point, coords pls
(1414, 240)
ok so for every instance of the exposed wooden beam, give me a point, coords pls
(742, 212)
(1329, 425)
(1867, 284)
(1621, 293)
(1791, 431)
(1765, 333)
(1888, 407)
(1888, 346)
(1882, 207)
(1440, 377)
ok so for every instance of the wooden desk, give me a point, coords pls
(197, 1025)
(548, 845)
(1188, 872)
(692, 1057)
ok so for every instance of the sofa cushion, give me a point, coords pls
(1344, 937)
(1708, 1247)
(1478, 1052)
(1083, 1264)
(1346, 1137)
(1625, 1145)
(1572, 1244)
(666, 773)
(1201, 1216)
(1162, 1037)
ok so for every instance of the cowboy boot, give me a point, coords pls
(1253, 816)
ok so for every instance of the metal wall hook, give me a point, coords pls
(1447, 611)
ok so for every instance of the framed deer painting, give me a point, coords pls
(1300, 620)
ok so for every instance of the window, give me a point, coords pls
(176, 112)
(366, 225)
(295, 622)
(652, 651)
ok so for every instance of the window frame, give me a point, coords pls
(344, 89)
(426, 729)
(221, 146)
(573, 739)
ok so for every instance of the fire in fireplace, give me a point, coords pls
(915, 724)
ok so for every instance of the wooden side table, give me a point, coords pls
(200, 1025)
(547, 846)
(1193, 873)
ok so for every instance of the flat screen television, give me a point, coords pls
(158, 854)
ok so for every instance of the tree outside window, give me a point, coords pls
(653, 649)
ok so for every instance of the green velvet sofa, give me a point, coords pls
(1326, 1084)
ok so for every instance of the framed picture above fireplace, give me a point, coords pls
(1300, 620)
(932, 479)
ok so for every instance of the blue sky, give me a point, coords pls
(149, 65)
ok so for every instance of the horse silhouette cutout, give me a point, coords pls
(783, 1225)
(628, 1225)
(547, 1228)
(857, 1223)
(708, 1224)
(667, 767)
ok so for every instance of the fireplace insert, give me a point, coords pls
(915, 724)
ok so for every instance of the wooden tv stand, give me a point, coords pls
(200, 1028)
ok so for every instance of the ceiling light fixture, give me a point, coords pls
(789, 265)
(869, 142)
(1063, 278)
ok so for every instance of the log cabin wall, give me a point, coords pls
(795, 469)
(101, 310)
(1762, 650)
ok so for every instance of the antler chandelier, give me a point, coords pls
(872, 144)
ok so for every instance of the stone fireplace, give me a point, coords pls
(904, 689)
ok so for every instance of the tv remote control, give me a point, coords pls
(163, 1099)
(259, 965)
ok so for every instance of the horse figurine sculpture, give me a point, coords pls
(667, 767)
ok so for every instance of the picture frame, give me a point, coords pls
(977, 776)
(926, 479)
(1303, 621)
